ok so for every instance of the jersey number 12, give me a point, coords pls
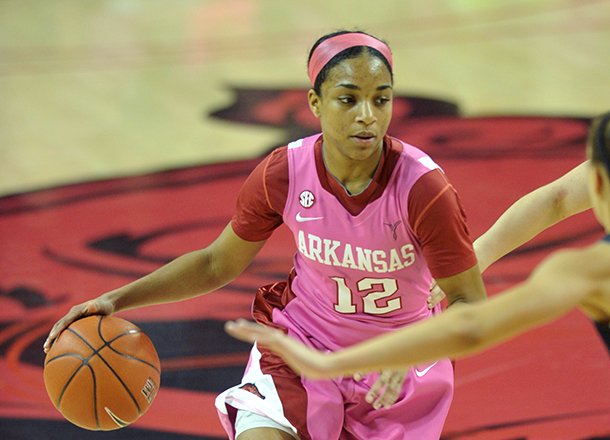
(375, 294)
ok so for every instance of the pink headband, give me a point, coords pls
(332, 46)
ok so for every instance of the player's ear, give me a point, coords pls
(599, 180)
(314, 102)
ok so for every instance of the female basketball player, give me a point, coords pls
(374, 219)
(566, 279)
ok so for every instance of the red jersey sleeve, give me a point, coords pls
(262, 198)
(439, 221)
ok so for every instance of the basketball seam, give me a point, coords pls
(107, 344)
(144, 361)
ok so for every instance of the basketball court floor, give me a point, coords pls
(127, 127)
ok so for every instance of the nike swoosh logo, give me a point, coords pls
(423, 372)
(302, 219)
(115, 418)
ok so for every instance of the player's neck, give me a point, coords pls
(354, 175)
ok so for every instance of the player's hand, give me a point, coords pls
(436, 295)
(302, 359)
(94, 307)
(386, 390)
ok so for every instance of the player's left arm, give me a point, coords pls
(464, 287)
(439, 221)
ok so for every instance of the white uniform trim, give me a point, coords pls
(295, 144)
(429, 163)
(268, 408)
(247, 420)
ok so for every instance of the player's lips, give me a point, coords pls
(365, 137)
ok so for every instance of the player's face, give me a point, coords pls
(355, 107)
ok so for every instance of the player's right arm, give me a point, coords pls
(532, 214)
(189, 275)
(258, 213)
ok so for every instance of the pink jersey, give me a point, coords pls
(356, 276)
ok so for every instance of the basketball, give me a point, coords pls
(102, 373)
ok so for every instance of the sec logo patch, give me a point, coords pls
(306, 199)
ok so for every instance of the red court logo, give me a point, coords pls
(63, 245)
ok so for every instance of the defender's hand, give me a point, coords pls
(302, 359)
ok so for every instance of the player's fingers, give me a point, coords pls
(75, 313)
(46, 346)
(393, 380)
(377, 388)
(358, 376)
(373, 394)
(436, 295)
(387, 399)
(390, 394)
(240, 329)
(55, 331)
(251, 332)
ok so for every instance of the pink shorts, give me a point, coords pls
(332, 409)
(336, 409)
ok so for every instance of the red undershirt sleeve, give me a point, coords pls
(262, 198)
(439, 221)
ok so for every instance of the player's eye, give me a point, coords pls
(347, 99)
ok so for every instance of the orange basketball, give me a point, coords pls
(102, 373)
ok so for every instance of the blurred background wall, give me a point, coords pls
(95, 89)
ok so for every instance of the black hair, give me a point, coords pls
(351, 52)
(599, 140)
